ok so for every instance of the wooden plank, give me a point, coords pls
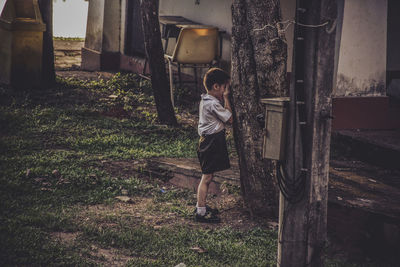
(175, 20)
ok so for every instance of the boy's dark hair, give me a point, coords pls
(215, 76)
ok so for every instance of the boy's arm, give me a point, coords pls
(227, 103)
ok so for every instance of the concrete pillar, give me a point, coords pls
(21, 45)
(102, 43)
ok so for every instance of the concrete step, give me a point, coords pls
(185, 172)
(377, 147)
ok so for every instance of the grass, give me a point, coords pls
(69, 38)
(53, 147)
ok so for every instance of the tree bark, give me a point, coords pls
(259, 54)
(155, 56)
(48, 72)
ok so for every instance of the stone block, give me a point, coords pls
(21, 32)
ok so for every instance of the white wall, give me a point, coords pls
(362, 58)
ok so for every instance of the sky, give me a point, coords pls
(69, 17)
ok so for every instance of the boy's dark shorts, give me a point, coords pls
(213, 153)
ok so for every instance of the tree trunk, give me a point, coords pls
(48, 72)
(155, 56)
(259, 54)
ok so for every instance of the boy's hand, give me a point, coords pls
(227, 90)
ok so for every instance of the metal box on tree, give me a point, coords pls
(276, 111)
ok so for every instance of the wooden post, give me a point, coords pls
(48, 71)
(302, 225)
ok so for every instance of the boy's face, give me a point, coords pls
(219, 89)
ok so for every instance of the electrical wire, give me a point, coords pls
(292, 186)
(292, 189)
(290, 22)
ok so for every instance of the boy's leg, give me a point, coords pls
(202, 190)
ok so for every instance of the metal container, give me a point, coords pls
(276, 113)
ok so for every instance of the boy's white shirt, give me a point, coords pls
(212, 115)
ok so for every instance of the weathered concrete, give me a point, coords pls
(185, 172)
(102, 42)
(67, 54)
(21, 46)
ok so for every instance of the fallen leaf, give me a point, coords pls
(55, 173)
(125, 199)
(46, 189)
(198, 249)
(273, 225)
(93, 176)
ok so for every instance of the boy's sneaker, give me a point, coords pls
(213, 211)
(207, 218)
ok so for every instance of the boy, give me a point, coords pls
(212, 150)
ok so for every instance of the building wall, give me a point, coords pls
(209, 12)
(362, 56)
(219, 14)
(361, 61)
